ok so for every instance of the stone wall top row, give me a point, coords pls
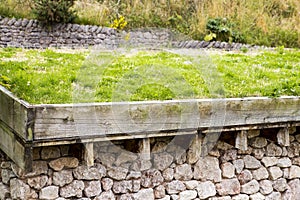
(31, 34)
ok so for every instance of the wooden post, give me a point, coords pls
(241, 141)
(88, 156)
(145, 149)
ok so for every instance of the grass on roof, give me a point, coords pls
(53, 76)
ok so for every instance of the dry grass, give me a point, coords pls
(91, 12)
(16, 8)
(258, 17)
(267, 22)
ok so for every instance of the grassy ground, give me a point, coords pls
(263, 22)
(52, 76)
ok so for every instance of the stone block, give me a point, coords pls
(228, 187)
(19, 189)
(90, 173)
(50, 192)
(239, 165)
(74, 189)
(206, 189)
(162, 161)
(92, 188)
(266, 187)
(160, 192)
(294, 172)
(183, 172)
(62, 178)
(144, 193)
(175, 187)
(64, 163)
(109, 195)
(107, 184)
(228, 170)
(245, 176)
(275, 172)
(251, 187)
(37, 182)
(284, 162)
(260, 173)
(151, 178)
(251, 162)
(188, 194)
(269, 161)
(273, 150)
(207, 168)
(280, 185)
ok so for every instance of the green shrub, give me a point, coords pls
(224, 30)
(54, 11)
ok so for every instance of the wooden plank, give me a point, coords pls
(108, 119)
(73, 140)
(19, 152)
(16, 114)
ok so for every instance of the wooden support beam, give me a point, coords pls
(13, 146)
(283, 136)
(88, 156)
(145, 149)
(241, 141)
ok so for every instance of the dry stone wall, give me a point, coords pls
(31, 34)
(266, 170)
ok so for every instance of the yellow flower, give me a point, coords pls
(119, 23)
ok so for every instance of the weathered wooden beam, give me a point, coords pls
(16, 114)
(88, 154)
(241, 140)
(253, 130)
(108, 119)
(16, 149)
(145, 149)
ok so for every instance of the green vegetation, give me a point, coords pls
(223, 30)
(39, 76)
(263, 22)
(54, 11)
(52, 76)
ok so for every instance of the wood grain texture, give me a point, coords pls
(16, 114)
(88, 156)
(13, 146)
(109, 119)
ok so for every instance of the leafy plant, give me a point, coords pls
(210, 37)
(54, 11)
(223, 29)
